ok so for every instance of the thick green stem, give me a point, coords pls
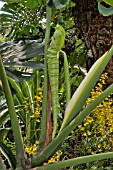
(44, 106)
(13, 117)
(77, 161)
(54, 145)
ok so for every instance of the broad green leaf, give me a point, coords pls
(16, 16)
(105, 11)
(8, 154)
(17, 75)
(32, 64)
(82, 93)
(32, 4)
(14, 52)
(57, 3)
(8, 9)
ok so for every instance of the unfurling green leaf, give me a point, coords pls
(53, 69)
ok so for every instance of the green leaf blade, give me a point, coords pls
(83, 91)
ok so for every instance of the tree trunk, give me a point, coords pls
(96, 32)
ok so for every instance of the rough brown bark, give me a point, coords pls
(95, 30)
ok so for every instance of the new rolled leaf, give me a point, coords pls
(53, 69)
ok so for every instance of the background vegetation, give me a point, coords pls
(84, 122)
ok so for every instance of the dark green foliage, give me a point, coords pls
(18, 22)
(9, 155)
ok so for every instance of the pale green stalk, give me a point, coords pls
(54, 145)
(67, 77)
(44, 105)
(13, 117)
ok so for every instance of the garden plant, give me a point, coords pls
(34, 109)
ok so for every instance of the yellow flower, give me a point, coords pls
(37, 142)
(37, 120)
(84, 134)
(89, 133)
(40, 93)
(54, 158)
(82, 128)
(32, 116)
(93, 153)
(99, 146)
(40, 89)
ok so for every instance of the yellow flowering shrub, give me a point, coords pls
(54, 158)
(97, 128)
(31, 150)
(36, 115)
(38, 107)
(37, 104)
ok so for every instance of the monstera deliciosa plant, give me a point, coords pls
(50, 137)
